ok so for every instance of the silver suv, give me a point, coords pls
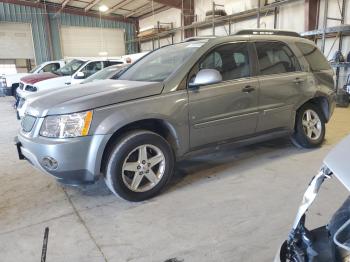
(180, 98)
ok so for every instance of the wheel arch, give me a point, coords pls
(322, 102)
(156, 125)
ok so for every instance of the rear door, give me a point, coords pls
(282, 83)
(228, 109)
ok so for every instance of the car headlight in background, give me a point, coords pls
(63, 126)
(3, 82)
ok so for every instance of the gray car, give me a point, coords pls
(248, 87)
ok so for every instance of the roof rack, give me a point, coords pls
(197, 38)
(267, 32)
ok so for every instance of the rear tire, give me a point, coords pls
(310, 128)
(139, 165)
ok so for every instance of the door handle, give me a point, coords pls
(248, 89)
(298, 80)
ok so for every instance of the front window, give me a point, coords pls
(160, 64)
(51, 67)
(106, 73)
(91, 68)
(35, 69)
(231, 60)
(70, 68)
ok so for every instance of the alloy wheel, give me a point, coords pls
(312, 125)
(143, 168)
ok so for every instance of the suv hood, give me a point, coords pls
(34, 78)
(83, 97)
(338, 162)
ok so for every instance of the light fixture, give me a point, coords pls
(103, 8)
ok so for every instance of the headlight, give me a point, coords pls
(3, 82)
(62, 126)
(31, 88)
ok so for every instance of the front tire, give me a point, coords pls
(310, 127)
(139, 165)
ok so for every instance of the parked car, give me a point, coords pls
(73, 72)
(248, 87)
(107, 73)
(9, 83)
(331, 242)
(111, 72)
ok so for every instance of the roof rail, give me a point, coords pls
(197, 38)
(267, 32)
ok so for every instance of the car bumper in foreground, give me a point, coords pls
(72, 161)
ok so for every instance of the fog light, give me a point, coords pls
(49, 163)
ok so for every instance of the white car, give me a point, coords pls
(9, 83)
(73, 72)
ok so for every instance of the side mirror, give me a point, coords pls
(80, 75)
(206, 77)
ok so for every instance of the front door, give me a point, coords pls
(282, 84)
(229, 109)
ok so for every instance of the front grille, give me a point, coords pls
(28, 122)
(20, 102)
(21, 85)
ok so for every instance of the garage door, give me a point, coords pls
(16, 41)
(91, 41)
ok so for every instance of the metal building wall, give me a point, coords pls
(88, 21)
(46, 26)
(34, 16)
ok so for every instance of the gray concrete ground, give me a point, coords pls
(231, 205)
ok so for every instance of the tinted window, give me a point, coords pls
(276, 58)
(314, 57)
(231, 60)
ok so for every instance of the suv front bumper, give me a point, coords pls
(72, 161)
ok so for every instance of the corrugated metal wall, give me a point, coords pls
(43, 23)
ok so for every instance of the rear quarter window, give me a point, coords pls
(314, 57)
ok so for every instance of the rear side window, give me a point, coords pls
(276, 58)
(314, 57)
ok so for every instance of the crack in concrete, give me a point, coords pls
(85, 226)
(36, 224)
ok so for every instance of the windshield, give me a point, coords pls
(34, 69)
(160, 64)
(106, 73)
(70, 68)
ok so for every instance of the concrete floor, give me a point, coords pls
(231, 205)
